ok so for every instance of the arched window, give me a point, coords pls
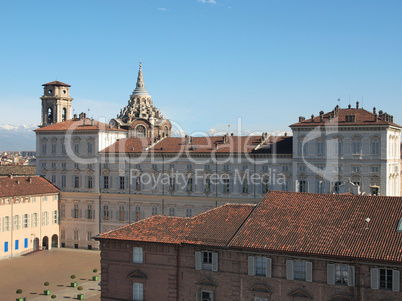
(166, 131)
(64, 115)
(49, 115)
(140, 132)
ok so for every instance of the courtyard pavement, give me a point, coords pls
(55, 266)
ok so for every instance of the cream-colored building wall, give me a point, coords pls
(23, 229)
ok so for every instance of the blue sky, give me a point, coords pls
(205, 63)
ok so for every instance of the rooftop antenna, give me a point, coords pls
(339, 102)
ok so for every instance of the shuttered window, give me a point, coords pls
(259, 266)
(206, 260)
(299, 270)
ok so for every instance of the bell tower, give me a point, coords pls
(56, 103)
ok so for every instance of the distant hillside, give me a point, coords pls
(17, 138)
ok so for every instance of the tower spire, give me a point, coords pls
(140, 87)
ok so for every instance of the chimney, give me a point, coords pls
(29, 180)
(357, 104)
(18, 182)
(286, 134)
(92, 122)
(312, 117)
(301, 118)
(75, 116)
(10, 176)
(374, 111)
(375, 118)
(349, 106)
(185, 139)
(321, 116)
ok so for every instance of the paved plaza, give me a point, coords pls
(30, 272)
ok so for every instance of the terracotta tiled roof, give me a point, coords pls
(19, 186)
(56, 83)
(77, 124)
(17, 170)
(199, 145)
(341, 117)
(215, 227)
(327, 225)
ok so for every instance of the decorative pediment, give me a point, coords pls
(138, 275)
(299, 293)
(261, 288)
(341, 297)
(207, 282)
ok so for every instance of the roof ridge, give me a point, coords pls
(242, 224)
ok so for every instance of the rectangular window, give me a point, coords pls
(35, 220)
(43, 164)
(76, 166)
(303, 186)
(25, 223)
(207, 167)
(285, 168)
(172, 184)
(155, 166)
(172, 211)
(44, 148)
(226, 167)
(260, 265)
(138, 183)
(6, 246)
(171, 166)
(62, 209)
(189, 212)
(226, 185)
(339, 148)
(63, 148)
(121, 213)
(63, 181)
(106, 182)
(299, 269)
(45, 218)
(386, 279)
(90, 182)
(375, 169)
(90, 148)
(76, 211)
(137, 255)
(76, 148)
(76, 182)
(302, 168)
(16, 244)
(89, 213)
(320, 148)
(207, 185)
(75, 234)
(25, 243)
(154, 210)
(341, 274)
(90, 166)
(55, 217)
(375, 148)
(53, 164)
(138, 292)
(207, 296)
(89, 236)
(356, 148)
(285, 185)
(319, 186)
(356, 169)
(189, 166)
(106, 212)
(206, 260)
(53, 179)
(189, 186)
(63, 234)
(122, 183)
(53, 148)
(137, 213)
(17, 222)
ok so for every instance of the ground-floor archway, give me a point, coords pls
(55, 241)
(45, 243)
(36, 244)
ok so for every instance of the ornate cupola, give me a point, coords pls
(140, 117)
(56, 103)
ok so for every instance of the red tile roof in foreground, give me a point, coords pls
(20, 186)
(76, 124)
(200, 145)
(56, 83)
(294, 223)
(214, 227)
(341, 117)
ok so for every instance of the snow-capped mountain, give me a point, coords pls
(17, 137)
